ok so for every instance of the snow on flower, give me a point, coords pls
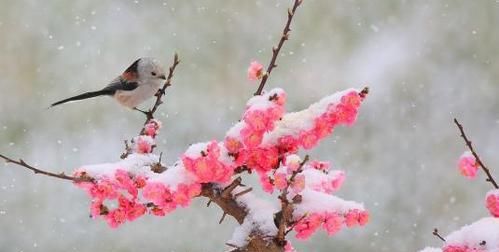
(330, 211)
(205, 162)
(255, 71)
(143, 144)
(152, 128)
(264, 141)
(430, 249)
(479, 236)
(492, 202)
(307, 127)
(467, 165)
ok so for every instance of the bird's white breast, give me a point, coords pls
(137, 96)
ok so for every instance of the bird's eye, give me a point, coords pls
(153, 73)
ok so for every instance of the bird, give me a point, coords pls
(139, 82)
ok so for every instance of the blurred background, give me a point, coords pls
(426, 62)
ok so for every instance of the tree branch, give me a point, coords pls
(227, 204)
(287, 207)
(276, 50)
(478, 160)
(161, 92)
(43, 172)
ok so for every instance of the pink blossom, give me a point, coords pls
(104, 189)
(298, 184)
(262, 159)
(232, 145)
(356, 217)
(323, 166)
(280, 181)
(467, 165)
(287, 144)
(257, 120)
(96, 208)
(251, 138)
(288, 247)
(143, 144)
(185, 193)
(332, 223)
(152, 127)
(255, 71)
(266, 183)
(125, 182)
(135, 211)
(337, 182)
(208, 168)
(492, 202)
(308, 225)
(116, 217)
(157, 193)
(308, 139)
(454, 248)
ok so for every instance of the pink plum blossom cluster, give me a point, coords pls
(264, 141)
(483, 235)
(331, 222)
(480, 236)
(133, 193)
(467, 165)
(315, 183)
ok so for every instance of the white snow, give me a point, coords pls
(486, 229)
(194, 151)
(174, 175)
(430, 249)
(319, 202)
(139, 164)
(295, 122)
(260, 218)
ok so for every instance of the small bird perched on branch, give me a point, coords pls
(139, 82)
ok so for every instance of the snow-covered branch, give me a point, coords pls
(482, 235)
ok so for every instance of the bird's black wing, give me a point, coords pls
(120, 84)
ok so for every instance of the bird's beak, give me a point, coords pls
(162, 77)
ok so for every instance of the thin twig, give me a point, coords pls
(478, 160)
(435, 233)
(223, 218)
(162, 91)
(241, 193)
(42, 172)
(275, 50)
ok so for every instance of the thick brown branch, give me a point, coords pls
(162, 91)
(228, 205)
(287, 207)
(478, 160)
(61, 175)
(276, 50)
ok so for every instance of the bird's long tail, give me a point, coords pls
(84, 96)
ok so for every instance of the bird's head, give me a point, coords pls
(145, 69)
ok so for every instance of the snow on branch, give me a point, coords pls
(135, 186)
(482, 235)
